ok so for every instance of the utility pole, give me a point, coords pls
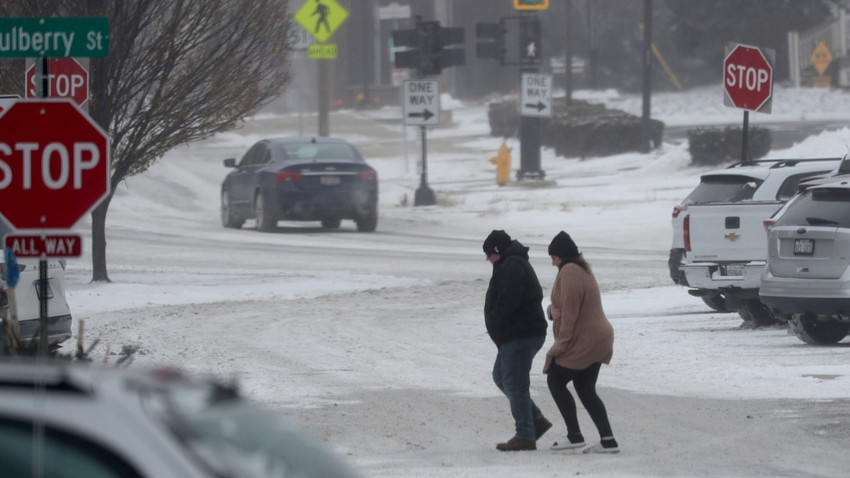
(647, 75)
(568, 52)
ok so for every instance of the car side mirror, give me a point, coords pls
(230, 163)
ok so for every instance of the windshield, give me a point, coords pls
(723, 188)
(819, 207)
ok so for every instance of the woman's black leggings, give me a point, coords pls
(585, 384)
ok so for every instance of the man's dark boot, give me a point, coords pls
(541, 426)
(517, 444)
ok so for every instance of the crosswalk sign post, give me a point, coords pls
(321, 18)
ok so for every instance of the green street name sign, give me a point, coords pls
(55, 37)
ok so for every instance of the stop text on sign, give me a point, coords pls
(57, 164)
(62, 86)
(742, 76)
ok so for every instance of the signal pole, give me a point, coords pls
(529, 127)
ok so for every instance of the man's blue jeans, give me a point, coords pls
(511, 374)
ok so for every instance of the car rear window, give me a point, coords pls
(724, 188)
(819, 207)
(321, 152)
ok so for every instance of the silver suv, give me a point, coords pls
(807, 278)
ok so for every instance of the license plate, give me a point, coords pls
(38, 290)
(329, 180)
(733, 271)
(804, 247)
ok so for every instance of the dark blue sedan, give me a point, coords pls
(300, 179)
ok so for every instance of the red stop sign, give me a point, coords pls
(747, 77)
(67, 78)
(54, 164)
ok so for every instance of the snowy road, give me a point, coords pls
(375, 342)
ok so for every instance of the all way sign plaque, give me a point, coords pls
(421, 101)
(36, 245)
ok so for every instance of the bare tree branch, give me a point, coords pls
(178, 71)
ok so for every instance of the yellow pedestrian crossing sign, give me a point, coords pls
(321, 18)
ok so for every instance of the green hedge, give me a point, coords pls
(717, 146)
(581, 129)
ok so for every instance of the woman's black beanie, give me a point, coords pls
(563, 246)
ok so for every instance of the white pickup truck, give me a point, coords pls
(725, 242)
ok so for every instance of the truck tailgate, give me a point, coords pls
(729, 232)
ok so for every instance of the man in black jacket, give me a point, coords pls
(513, 314)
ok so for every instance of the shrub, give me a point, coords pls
(715, 146)
(580, 129)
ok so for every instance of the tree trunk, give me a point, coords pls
(98, 241)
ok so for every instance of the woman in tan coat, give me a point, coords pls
(584, 340)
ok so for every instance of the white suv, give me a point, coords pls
(27, 299)
(807, 278)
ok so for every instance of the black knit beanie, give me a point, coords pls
(563, 246)
(496, 242)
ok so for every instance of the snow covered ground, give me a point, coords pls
(375, 342)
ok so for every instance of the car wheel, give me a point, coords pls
(812, 331)
(716, 302)
(369, 221)
(228, 219)
(756, 313)
(266, 222)
(331, 223)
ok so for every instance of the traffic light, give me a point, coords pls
(429, 54)
(530, 37)
(493, 45)
(430, 48)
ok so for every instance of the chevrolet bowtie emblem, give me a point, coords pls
(732, 236)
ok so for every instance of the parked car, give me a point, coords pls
(28, 301)
(72, 419)
(736, 199)
(300, 179)
(807, 278)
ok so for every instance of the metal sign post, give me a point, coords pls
(421, 107)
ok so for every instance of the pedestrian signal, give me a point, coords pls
(531, 4)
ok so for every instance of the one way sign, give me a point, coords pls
(536, 97)
(421, 100)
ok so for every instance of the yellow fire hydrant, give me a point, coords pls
(502, 160)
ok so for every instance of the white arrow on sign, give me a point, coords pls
(536, 95)
(421, 102)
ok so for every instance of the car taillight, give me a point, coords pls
(284, 176)
(676, 211)
(367, 175)
(768, 225)
(686, 232)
